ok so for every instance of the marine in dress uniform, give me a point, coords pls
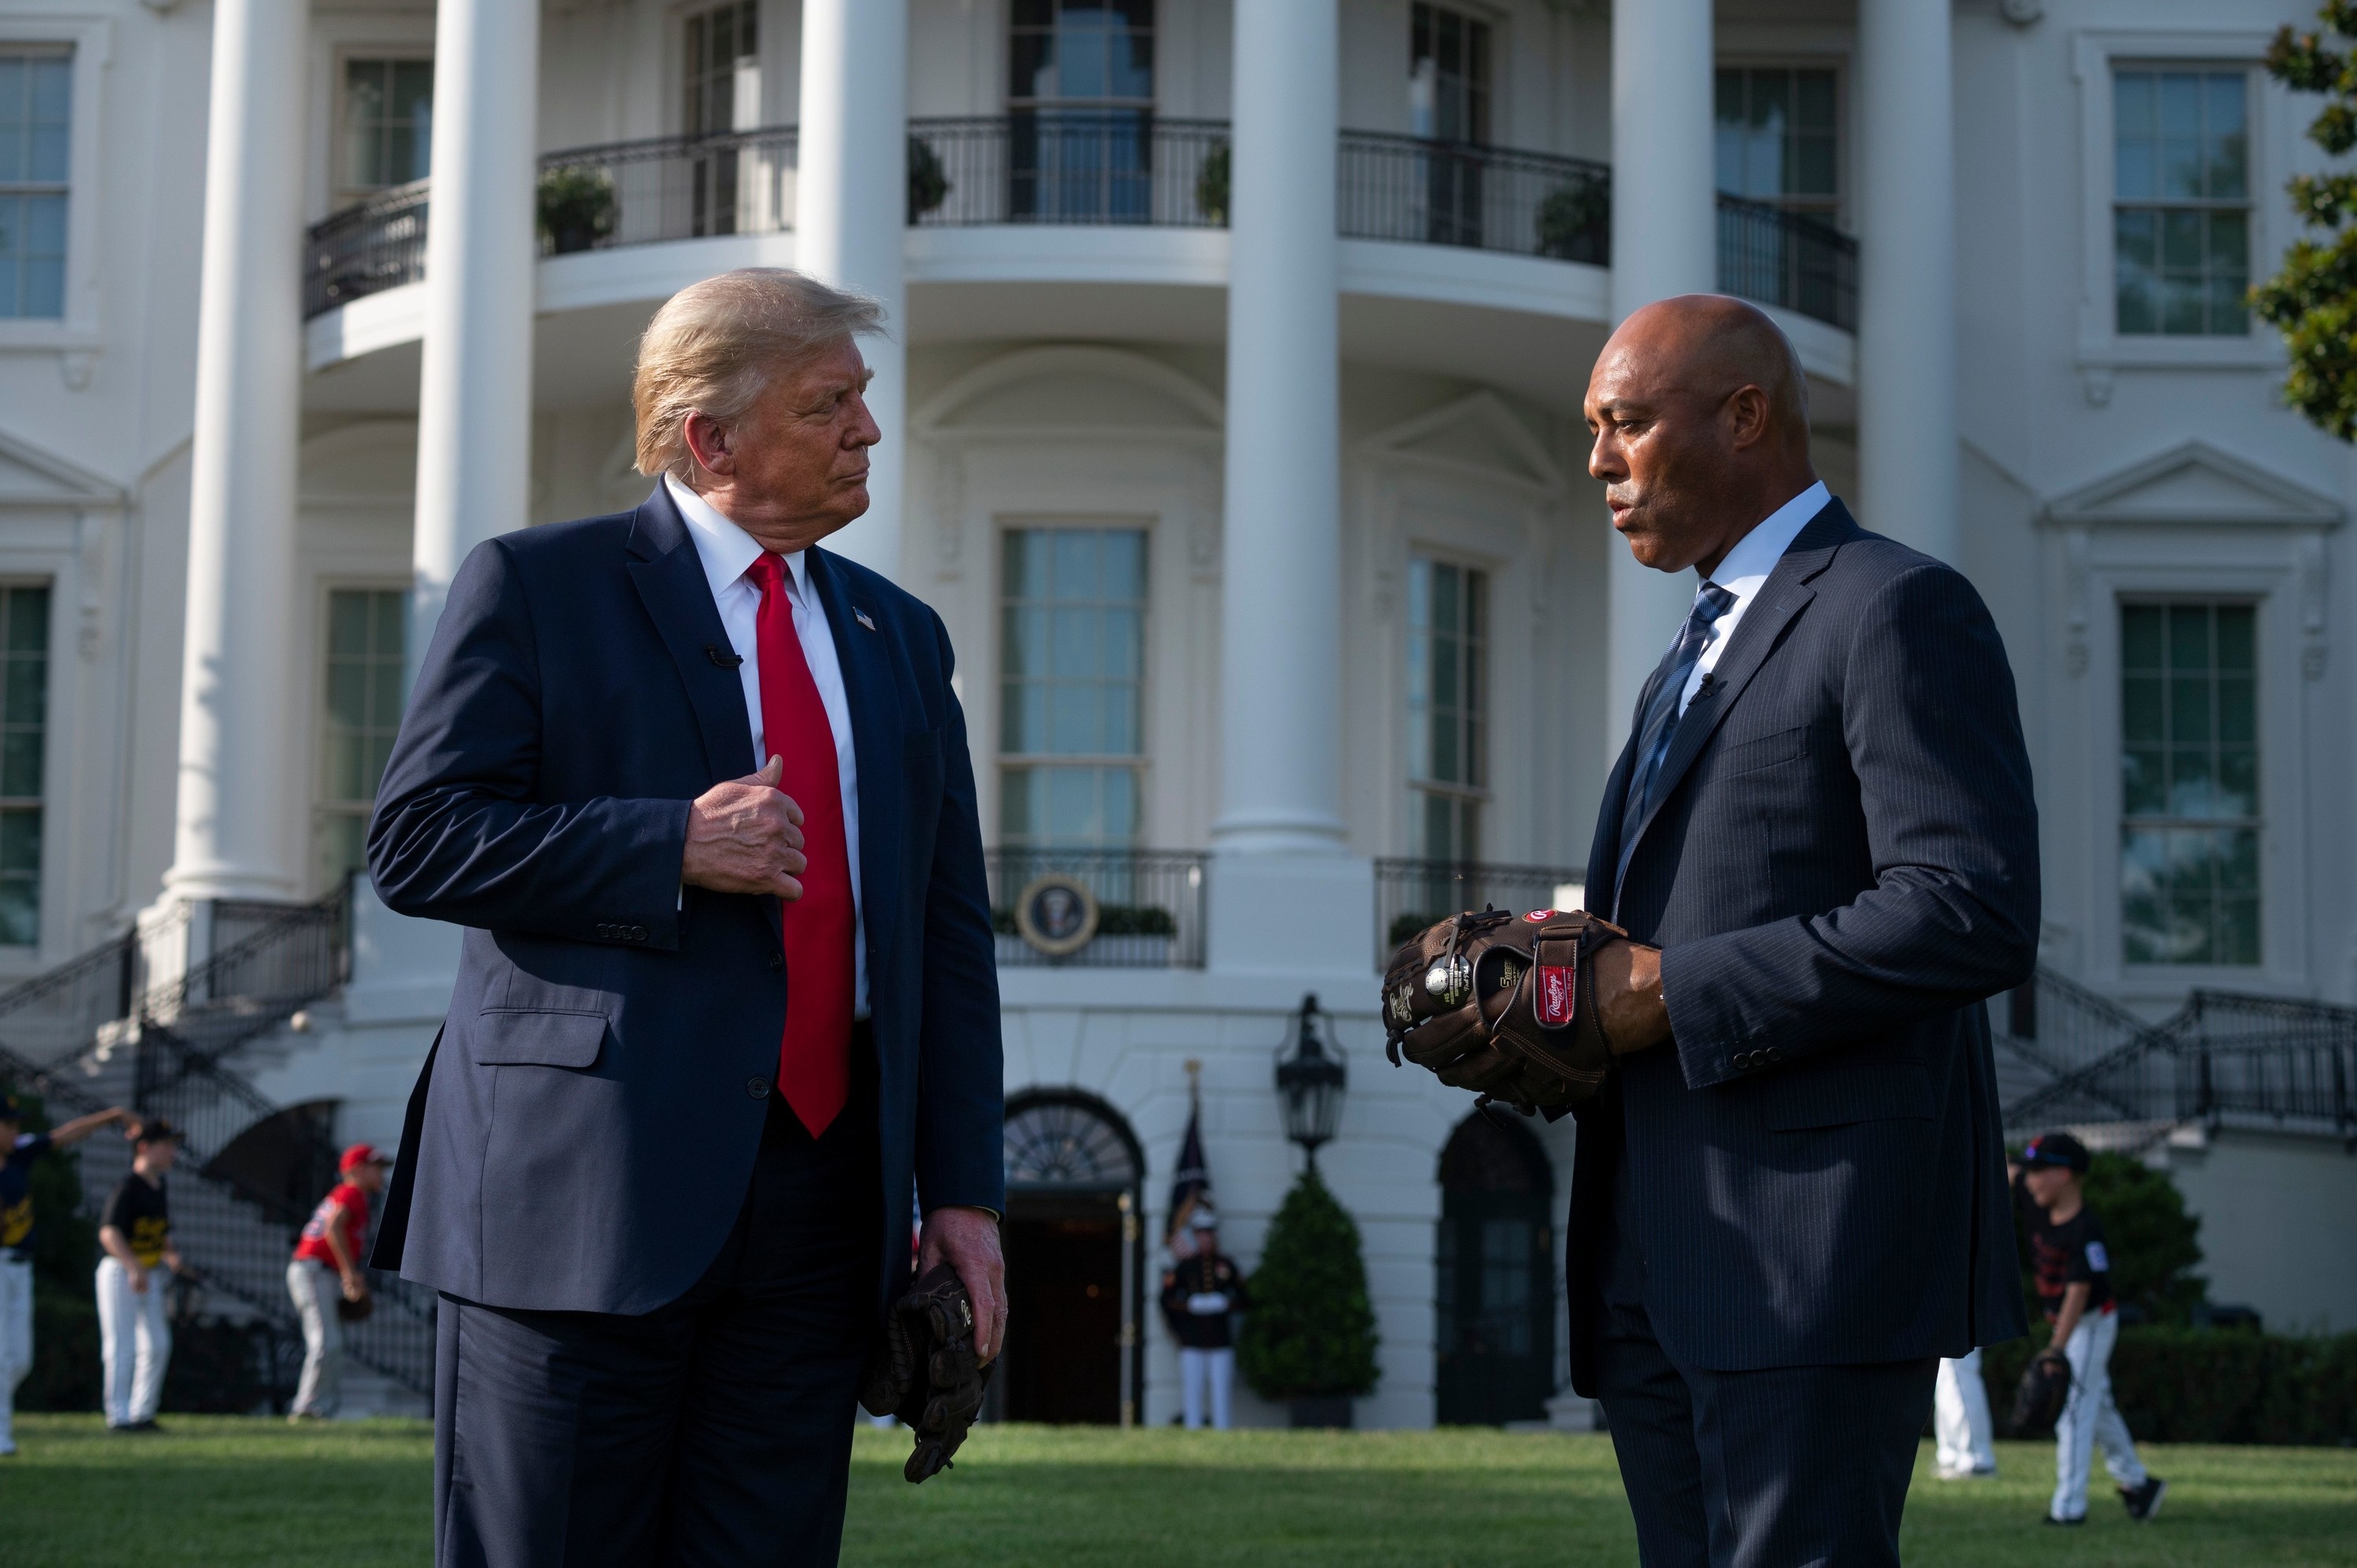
(1202, 1296)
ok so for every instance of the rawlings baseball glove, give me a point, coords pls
(1504, 1006)
(925, 1370)
(2039, 1397)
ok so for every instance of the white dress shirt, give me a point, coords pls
(728, 552)
(1745, 571)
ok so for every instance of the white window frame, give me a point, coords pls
(75, 331)
(1484, 795)
(1838, 62)
(340, 192)
(336, 36)
(2096, 54)
(2277, 565)
(325, 587)
(1141, 761)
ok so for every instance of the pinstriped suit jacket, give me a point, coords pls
(1842, 866)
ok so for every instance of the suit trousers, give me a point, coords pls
(715, 1429)
(1776, 1467)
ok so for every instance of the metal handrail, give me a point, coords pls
(1779, 257)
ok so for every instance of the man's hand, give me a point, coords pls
(1628, 1005)
(967, 1239)
(355, 1285)
(745, 837)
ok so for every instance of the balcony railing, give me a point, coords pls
(1413, 894)
(1149, 906)
(1094, 166)
(1069, 166)
(1787, 259)
(1486, 198)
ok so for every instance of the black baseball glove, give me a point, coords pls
(2039, 1397)
(924, 1369)
(1504, 1004)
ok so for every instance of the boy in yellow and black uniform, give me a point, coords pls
(18, 1150)
(136, 1229)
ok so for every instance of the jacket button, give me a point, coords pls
(777, 963)
(1775, 1054)
(1743, 1061)
(759, 1088)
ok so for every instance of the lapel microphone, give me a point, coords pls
(726, 660)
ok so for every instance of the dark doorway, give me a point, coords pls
(1074, 1262)
(1496, 1329)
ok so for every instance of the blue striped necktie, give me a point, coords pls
(1658, 719)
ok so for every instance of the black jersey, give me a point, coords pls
(2068, 1254)
(143, 1212)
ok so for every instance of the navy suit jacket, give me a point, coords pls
(583, 1134)
(1841, 868)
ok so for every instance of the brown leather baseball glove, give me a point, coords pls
(1504, 1004)
(925, 1370)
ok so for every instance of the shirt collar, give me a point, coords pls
(1745, 571)
(726, 551)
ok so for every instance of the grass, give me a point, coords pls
(217, 1490)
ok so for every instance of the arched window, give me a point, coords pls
(1075, 1263)
(1496, 1262)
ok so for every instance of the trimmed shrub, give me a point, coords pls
(1311, 1329)
(2210, 1385)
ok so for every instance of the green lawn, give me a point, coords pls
(227, 1491)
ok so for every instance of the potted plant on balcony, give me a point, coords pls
(1310, 1339)
(577, 208)
(1211, 187)
(1573, 221)
(928, 183)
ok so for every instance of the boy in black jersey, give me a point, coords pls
(135, 1229)
(2074, 1286)
(18, 1150)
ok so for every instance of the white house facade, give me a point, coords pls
(1232, 413)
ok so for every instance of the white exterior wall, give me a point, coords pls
(1065, 373)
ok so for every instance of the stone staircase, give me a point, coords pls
(94, 1033)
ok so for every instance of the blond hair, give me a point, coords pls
(714, 345)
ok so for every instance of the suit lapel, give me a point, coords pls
(1757, 636)
(669, 575)
(865, 656)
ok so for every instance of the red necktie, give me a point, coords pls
(814, 1058)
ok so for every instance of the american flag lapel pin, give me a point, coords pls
(861, 617)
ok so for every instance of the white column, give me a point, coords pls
(1279, 833)
(231, 837)
(851, 218)
(474, 389)
(1664, 242)
(1281, 677)
(1907, 462)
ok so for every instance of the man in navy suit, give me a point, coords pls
(1791, 1202)
(699, 792)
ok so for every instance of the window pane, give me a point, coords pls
(1071, 661)
(2224, 107)
(2189, 892)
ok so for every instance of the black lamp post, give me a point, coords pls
(1310, 1080)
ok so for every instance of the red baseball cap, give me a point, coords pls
(361, 1155)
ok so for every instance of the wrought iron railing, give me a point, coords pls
(1069, 166)
(2264, 1059)
(1788, 259)
(57, 1014)
(1093, 167)
(2069, 1055)
(364, 250)
(268, 960)
(1413, 894)
(1149, 906)
(1489, 199)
